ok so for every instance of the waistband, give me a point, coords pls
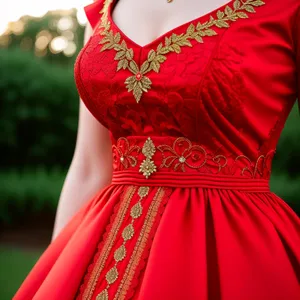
(180, 162)
(189, 180)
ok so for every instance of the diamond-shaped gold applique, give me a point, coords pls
(112, 275)
(148, 148)
(128, 232)
(103, 295)
(147, 167)
(143, 191)
(120, 253)
(136, 211)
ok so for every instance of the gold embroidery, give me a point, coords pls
(128, 232)
(136, 211)
(125, 152)
(197, 154)
(103, 295)
(148, 167)
(139, 83)
(125, 201)
(182, 154)
(143, 191)
(119, 254)
(253, 169)
(148, 148)
(140, 245)
(112, 275)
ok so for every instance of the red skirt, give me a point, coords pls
(162, 230)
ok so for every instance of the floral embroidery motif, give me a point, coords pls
(183, 153)
(125, 153)
(139, 83)
(148, 167)
(127, 234)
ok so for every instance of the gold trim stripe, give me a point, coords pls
(127, 234)
(125, 202)
(140, 245)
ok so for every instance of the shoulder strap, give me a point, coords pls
(94, 10)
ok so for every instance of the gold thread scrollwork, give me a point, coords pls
(260, 168)
(182, 154)
(125, 153)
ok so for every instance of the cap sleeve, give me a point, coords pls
(92, 12)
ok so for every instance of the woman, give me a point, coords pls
(192, 99)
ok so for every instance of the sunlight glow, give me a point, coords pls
(11, 11)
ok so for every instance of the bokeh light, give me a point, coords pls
(12, 11)
(65, 23)
(60, 34)
(70, 49)
(58, 44)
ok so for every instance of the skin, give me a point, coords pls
(91, 166)
(157, 17)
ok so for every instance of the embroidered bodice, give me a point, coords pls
(226, 80)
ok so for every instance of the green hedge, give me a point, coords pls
(288, 189)
(38, 111)
(287, 158)
(29, 192)
(15, 265)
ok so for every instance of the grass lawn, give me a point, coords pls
(15, 264)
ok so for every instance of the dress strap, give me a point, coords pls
(93, 12)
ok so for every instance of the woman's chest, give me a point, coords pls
(235, 63)
(145, 21)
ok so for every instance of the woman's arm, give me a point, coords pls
(91, 166)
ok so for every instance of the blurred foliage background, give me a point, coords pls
(38, 111)
(38, 122)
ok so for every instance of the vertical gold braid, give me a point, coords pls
(140, 245)
(127, 234)
(148, 166)
(125, 201)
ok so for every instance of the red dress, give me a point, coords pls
(194, 118)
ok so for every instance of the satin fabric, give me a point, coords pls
(209, 228)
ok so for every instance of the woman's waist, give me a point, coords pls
(177, 161)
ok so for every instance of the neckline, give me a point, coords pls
(169, 32)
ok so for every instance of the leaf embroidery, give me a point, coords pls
(139, 83)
